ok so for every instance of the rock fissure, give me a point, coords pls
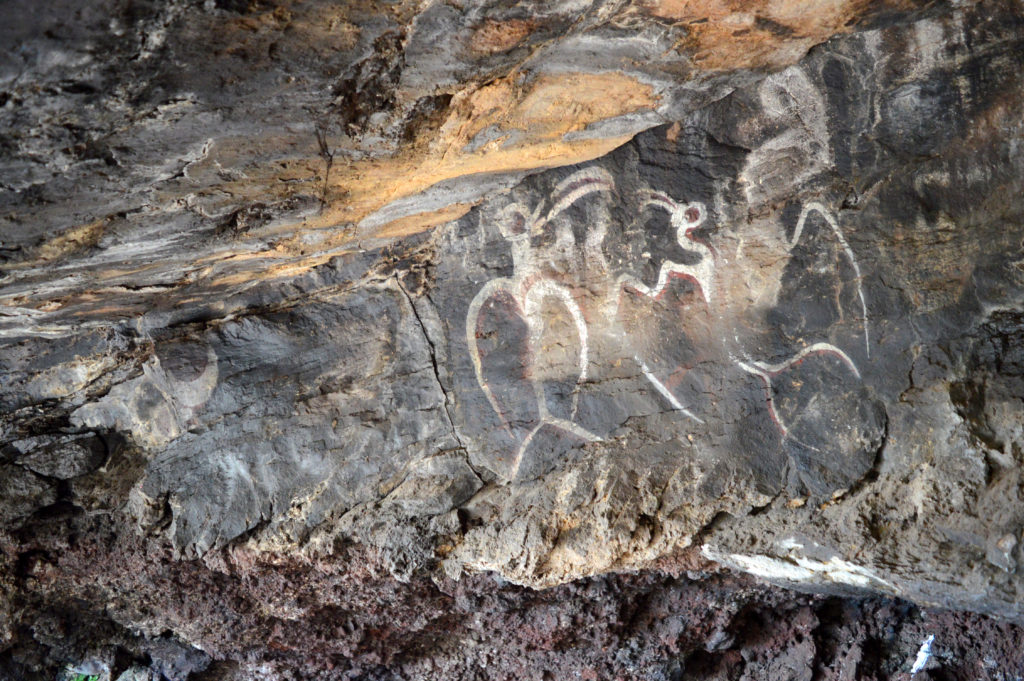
(433, 360)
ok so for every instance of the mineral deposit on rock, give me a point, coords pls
(480, 339)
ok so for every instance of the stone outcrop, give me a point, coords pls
(324, 326)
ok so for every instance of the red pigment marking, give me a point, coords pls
(698, 240)
(681, 275)
(529, 283)
(671, 275)
(676, 377)
(585, 182)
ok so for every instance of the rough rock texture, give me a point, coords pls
(329, 330)
(252, 616)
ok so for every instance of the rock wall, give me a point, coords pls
(330, 330)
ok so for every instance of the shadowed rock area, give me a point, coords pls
(511, 340)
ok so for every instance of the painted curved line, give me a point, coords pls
(766, 371)
(521, 452)
(699, 274)
(542, 290)
(815, 349)
(562, 424)
(702, 272)
(572, 427)
(572, 189)
(665, 392)
(677, 211)
(764, 376)
(825, 213)
(488, 290)
(650, 197)
(507, 216)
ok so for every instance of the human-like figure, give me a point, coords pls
(527, 336)
(829, 425)
(687, 353)
(769, 373)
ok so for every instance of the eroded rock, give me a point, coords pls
(299, 297)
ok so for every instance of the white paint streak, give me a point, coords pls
(572, 189)
(535, 321)
(489, 290)
(816, 348)
(825, 213)
(665, 392)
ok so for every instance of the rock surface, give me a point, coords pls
(330, 330)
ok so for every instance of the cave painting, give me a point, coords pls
(525, 294)
(765, 371)
(684, 219)
(674, 339)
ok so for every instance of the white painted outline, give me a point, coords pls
(528, 288)
(766, 371)
(825, 213)
(702, 273)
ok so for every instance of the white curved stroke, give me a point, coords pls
(766, 371)
(810, 349)
(824, 212)
(573, 188)
(766, 377)
(563, 424)
(665, 392)
(535, 296)
(507, 217)
(700, 273)
(489, 289)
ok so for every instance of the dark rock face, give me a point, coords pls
(315, 359)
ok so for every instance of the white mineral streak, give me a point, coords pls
(923, 655)
(799, 569)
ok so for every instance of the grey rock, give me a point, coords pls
(62, 458)
(23, 493)
(135, 673)
(544, 290)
